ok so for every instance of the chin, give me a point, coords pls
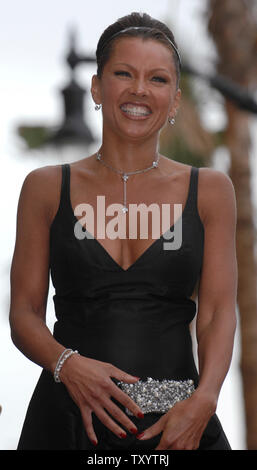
(137, 136)
(137, 132)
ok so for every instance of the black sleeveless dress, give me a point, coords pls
(137, 319)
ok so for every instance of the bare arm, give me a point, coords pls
(29, 275)
(88, 381)
(216, 319)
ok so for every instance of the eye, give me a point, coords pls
(122, 73)
(159, 79)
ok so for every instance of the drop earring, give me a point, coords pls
(171, 121)
(97, 107)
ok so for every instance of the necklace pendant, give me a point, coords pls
(125, 177)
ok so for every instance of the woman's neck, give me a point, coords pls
(127, 155)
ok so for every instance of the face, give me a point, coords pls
(137, 89)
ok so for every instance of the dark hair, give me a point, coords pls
(159, 31)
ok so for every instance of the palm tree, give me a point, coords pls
(232, 25)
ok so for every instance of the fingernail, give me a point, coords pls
(94, 442)
(123, 435)
(136, 377)
(138, 436)
(134, 430)
(140, 415)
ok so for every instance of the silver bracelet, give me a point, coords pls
(63, 357)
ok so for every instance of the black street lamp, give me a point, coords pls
(73, 129)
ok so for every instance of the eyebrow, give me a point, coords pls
(161, 69)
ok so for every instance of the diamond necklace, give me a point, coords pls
(125, 176)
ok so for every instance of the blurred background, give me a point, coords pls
(47, 117)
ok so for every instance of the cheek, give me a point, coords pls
(164, 101)
(111, 92)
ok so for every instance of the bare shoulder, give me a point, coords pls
(216, 195)
(41, 190)
(45, 175)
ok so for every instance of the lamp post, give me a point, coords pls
(74, 129)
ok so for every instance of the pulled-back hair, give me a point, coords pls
(159, 32)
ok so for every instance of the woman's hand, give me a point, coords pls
(89, 384)
(183, 425)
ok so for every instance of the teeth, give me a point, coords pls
(136, 110)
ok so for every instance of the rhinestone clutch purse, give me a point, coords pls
(155, 396)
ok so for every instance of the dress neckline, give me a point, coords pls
(150, 247)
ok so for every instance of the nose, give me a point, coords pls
(138, 87)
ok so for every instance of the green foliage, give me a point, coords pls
(178, 151)
(34, 136)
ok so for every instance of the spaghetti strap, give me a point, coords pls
(193, 191)
(65, 188)
(63, 208)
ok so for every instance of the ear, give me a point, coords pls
(175, 104)
(96, 89)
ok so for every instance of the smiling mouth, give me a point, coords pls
(135, 110)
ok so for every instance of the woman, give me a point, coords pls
(125, 303)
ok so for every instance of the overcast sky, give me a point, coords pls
(34, 39)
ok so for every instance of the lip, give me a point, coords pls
(135, 103)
